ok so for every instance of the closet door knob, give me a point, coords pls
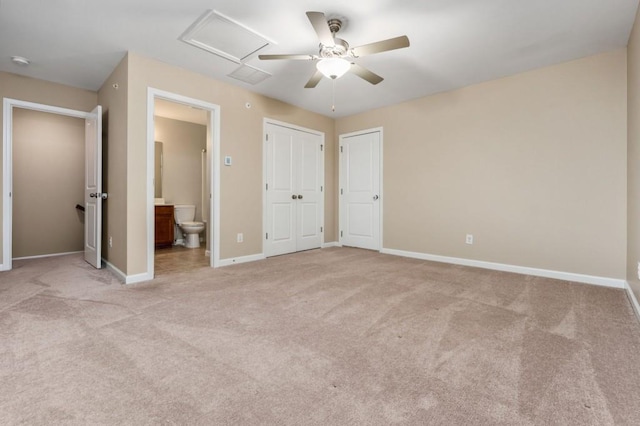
(294, 197)
(299, 197)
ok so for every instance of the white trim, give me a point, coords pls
(41, 256)
(632, 298)
(380, 177)
(126, 279)
(291, 126)
(242, 259)
(331, 244)
(566, 276)
(7, 165)
(117, 272)
(265, 122)
(214, 166)
(138, 278)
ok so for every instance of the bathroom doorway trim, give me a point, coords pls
(213, 163)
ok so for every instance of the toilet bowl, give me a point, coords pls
(184, 215)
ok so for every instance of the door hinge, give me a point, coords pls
(267, 236)
(341, 191)
(266, 139)
(321, 229)
(341, 149)
(341, 233)
(267, 187)
(321, 188)
(321, 147)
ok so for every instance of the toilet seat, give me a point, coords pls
(191, 223)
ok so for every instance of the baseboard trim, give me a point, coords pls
(41, 256)
(207, 253)
(2, 268)
(124, 278)
(632, 298)
(241, 259)
(331, 244)
(566, 276)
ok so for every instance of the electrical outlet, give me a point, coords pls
(240, 237)
(110, 241)
(469, 239)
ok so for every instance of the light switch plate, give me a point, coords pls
(227, 160)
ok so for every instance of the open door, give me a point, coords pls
(93, 195)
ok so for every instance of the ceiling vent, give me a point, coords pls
(249, 74)
(224, 37)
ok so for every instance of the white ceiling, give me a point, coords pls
(454, 43)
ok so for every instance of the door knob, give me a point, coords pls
(294, 197)
(375, 197)
(299, 197)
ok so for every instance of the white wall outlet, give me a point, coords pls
(469, 239)
(240, 237)
(110, 241)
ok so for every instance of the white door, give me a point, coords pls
(93, 188)
(293, 190)
(360, 190)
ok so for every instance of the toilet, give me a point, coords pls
(184, 215)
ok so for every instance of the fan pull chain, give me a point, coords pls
(333, 95)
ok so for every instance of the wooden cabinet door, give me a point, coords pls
(164, 226)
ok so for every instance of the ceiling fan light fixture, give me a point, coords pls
(333, 67)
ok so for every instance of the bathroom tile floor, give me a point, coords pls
(179, 259)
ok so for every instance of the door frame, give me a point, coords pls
(8, 105)
(267, 121)
(380, 177)
(213, 164)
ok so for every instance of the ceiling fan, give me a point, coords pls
(335, 57)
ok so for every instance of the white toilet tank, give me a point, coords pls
(184, 213)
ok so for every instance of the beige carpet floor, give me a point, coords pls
(327, 337)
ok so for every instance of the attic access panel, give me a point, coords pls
(222, 36)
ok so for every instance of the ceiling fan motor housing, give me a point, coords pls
(338, 50)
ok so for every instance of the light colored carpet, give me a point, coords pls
(328, 337)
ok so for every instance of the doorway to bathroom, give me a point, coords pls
(183, 148)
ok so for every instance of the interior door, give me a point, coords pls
(309, 203)
(93, 188)
(293, 200)
(360, 190)
(281, 190)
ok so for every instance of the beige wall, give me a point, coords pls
(32, 90)
(533, 165)
(48, 177)
(633, 158)
(182, 144)
(114, 165)
(241, 137)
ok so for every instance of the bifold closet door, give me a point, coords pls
(293, 190)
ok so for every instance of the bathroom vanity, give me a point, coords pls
(164, 225)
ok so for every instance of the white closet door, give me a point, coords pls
(309, 196)
(294, 196)
(281, 207)
(360, 191)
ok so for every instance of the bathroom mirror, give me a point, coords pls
(158, 170)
